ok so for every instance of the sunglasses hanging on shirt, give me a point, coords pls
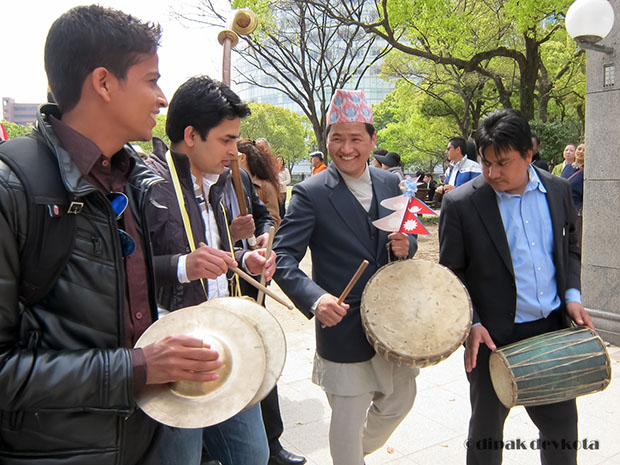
(119, 202)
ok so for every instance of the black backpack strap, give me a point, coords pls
(51, 216)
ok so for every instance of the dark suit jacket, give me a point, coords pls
(324, 215)
(473, 244)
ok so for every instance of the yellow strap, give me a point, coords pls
(237, 290)
(186, 224)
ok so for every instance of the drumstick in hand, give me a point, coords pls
(354, 280)
(261, 294)
(259, 286)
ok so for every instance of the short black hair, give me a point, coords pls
(88, 37)
(471, 149)
(459, 142)
(504, 130)
(370, 129)
(202, 103)
(379, 151)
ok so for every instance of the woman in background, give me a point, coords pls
(284, 176)
(569, 159)
(262, 168)
(574, 175)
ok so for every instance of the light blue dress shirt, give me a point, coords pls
(527, 222)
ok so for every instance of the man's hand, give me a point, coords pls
(444, 189)
(180, 358)
(477, 336)
(400, 243)
(579, 314)
(255, 262)
(329, 312)
(242, 227)
(207, 262)
(261, 241)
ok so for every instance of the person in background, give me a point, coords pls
(574, 175)
(470, 150)
(317, 162)
(537, 161)
(375, 162)
(431, 185)
(569, 158)
(261, 167)
(391, 163)
(284, 177)
(461, 169)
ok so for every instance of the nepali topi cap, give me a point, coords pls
(349, 106)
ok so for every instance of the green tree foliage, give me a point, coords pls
(520, 46)
(282, 128)
(14, 130)
(404, 128)
(554, 136)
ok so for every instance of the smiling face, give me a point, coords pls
(349, 146)
(138, 100)
(212, 155)
(580, 154)
(506, 171)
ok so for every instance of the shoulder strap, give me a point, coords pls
(51, 216)
(176, 183)
(575, 173)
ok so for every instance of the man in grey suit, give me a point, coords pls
(332, 213)
(509, 235)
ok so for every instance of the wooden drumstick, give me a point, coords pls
(261, 294)
(259, 286)
(243, 209)
(354, 280)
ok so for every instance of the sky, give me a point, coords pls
(185, 50)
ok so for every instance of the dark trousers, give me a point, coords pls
(270, 406)
(556, 423)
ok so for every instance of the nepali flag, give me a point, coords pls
(407, 207)
(3, 134)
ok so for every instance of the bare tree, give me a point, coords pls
(520, 45)
(301, 52)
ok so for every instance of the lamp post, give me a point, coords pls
(588, 22)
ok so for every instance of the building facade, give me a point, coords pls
(19, 113)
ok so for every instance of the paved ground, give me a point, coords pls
(435, 430)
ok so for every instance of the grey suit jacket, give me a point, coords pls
(473, 244)
(325, 216)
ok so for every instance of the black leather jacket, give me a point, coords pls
(66, 393)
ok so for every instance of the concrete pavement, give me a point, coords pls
(434, 432)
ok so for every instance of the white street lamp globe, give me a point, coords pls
(589, 20)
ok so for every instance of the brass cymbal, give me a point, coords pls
(270, 331)
(195, 405)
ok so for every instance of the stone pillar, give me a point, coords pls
(601, 207)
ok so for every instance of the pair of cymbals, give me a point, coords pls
(252, 346)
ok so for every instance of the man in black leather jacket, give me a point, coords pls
(68, 373)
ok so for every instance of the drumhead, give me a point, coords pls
(415, 312)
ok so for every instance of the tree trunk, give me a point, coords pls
(529, 75)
